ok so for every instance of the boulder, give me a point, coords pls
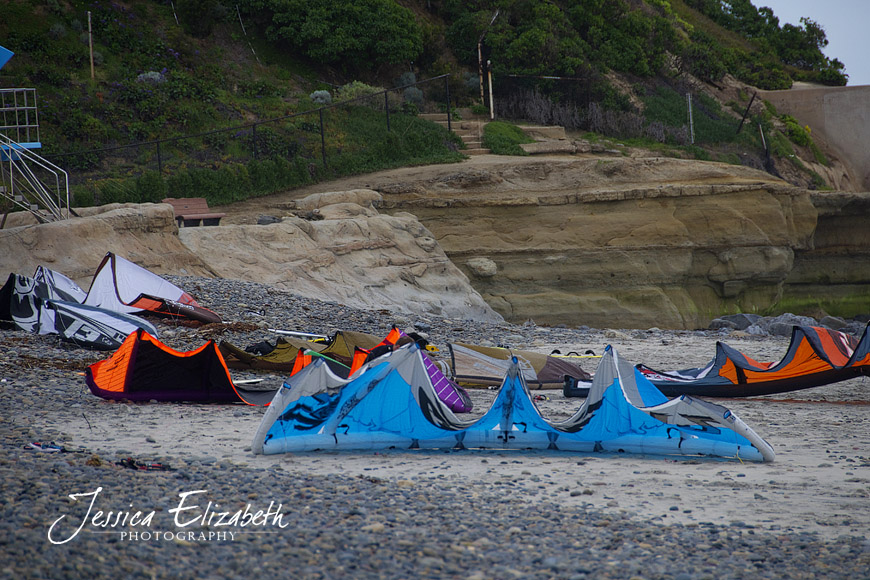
(143, 233)
(741, 321)
(353, 255)
(833, 322)
(783, 324)
(720, 323)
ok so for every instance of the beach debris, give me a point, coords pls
(130, 463)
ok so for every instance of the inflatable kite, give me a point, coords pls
(485, 366)
(48, 303)
(123, 286)
(816, 356)
(392, 404)
(145, 369)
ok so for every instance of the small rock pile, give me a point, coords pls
(782, 325)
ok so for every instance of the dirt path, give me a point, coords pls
(247, 212)
(514, 176)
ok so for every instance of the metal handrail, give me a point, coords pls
(31, 186)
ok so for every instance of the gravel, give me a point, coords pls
(331, 525)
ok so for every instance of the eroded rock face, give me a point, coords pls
(837, 266)
(602, 241)
(353, 255)
(142, 233)
(350, 254)
(624, 242)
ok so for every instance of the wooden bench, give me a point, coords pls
(193, 211)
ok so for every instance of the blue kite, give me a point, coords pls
(391, 404)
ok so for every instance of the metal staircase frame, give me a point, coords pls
(27, 180)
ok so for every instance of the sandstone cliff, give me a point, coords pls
(145, 234)
(606, 241)
(353, 255)
(638, 242)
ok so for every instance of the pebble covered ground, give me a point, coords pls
(331, 525)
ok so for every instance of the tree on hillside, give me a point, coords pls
(801, 46)
(557, 37)
(344, 33)
(796, 46)
(623, 37)
(528, 37)
(538, 39)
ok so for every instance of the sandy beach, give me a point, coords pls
(810, 507)
(820, 481)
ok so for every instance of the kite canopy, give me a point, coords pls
(145, 369)
(816, 356)
(280, 359)
(48, 304)
(51, 303)
(315, 382)
(289, 355)
(484, 366)
(123, 286)
(62, 287)
(392, 404)
(95, 327)
(344, 342)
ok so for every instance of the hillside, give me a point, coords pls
(180, 90)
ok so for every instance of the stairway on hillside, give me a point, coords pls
(469, 129)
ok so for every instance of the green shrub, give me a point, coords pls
(150, 187)
(93, 130)
(818, 155)
(218, 140)
(798, 135)
(273, 143)
(406, 78)
(504, 138)
(116, 191)
(817, 181)
(779, 145)
(83, 196)
(413, 96)
(260, 88)
(321, 98)
(354, 93)
(345, 33)
(57, 31)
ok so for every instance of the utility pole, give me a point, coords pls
(91, 44)
(691, 118)
(480, 54)
(491, 102)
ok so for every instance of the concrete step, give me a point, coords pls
(455, 124)
(544, 133)
(469, 130)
